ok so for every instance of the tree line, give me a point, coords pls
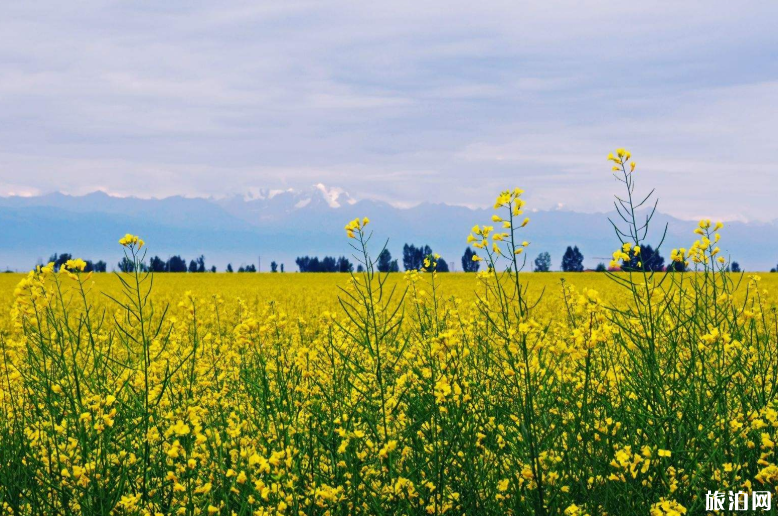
(326, 264)
(572, 261)
(60, 259)
(412, 259)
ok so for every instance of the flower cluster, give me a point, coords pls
(502, 242)
(131, 241)
(620, 160)
(356, 225)
(703, 250)
(623, 254)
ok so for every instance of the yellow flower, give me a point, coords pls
(387, 449)
(667, 508)
(622, 156)
(129, 240)
(204, 489)
(355, 225)
(75, 265)
(442, 389)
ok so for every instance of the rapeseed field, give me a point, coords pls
(502, 392)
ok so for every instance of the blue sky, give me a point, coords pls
(399, 101)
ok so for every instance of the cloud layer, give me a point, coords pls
(399, 101)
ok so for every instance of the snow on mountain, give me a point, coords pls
(282, 224)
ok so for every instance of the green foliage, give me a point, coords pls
(648, 259)
(543, 262)
(572, 261)
(468, 265)
(413, 257)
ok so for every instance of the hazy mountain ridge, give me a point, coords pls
(287, 224)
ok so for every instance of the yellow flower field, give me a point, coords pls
(419, 393)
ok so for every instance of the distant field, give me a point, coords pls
(311, 293)
(293, 289)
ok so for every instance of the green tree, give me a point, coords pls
(543, 262)
(157, 264)
(468, 265)
(572, 261)
(384, 260)
(126, 265)
(59, 260)
(649, 259)
(176, 264)
(676, 267)
(344, 265)
(413, 257)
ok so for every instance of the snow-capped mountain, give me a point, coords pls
(280, 225)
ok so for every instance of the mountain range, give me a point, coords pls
(282, 225)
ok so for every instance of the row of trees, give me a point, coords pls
(572, 261)
(155, 264)
(649, 259)
(326, 264)
(413, 259)
(60, 259)
(172, 264)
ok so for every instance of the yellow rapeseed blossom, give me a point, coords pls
(423, 393)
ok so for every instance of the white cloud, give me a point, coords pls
(403, 102)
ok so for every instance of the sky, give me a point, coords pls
(399, 101)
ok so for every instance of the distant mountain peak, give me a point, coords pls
(286, 223)
(316, 195)
(335, 196)
(262, 194)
